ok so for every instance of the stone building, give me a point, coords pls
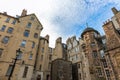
(92, 46)
(92, 57)
(60, 50)
(61, 69)
(112, 53)
(75, 55)
(42, 67)
(21, 32)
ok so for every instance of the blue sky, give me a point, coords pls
(64, 18)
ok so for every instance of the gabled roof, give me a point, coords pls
(35, 17)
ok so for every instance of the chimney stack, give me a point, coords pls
(114, 10)
(59, 40)
(24, 12)
(47, 37)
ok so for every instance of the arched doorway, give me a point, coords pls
(39, 77)
(48, 77)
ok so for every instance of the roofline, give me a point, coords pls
(9, 16)
(36, 18)
(89, 31)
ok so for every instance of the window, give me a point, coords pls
(42, 49)
(99, 72)
(1, 51)
(7, 20)
(32, 18)
(30, 57)
(14, 21)
(33, 44)
(25, 72)
(9, 70)
(23, 43)
(5, 40)
(50, 50)
(107, 73)
(93, 44)
(19, 56)
(105, 64)
(29, 25)
(26, 33)
(94, 54)
(35, 35)
(102, 53)
(10, 30)
(3, 28)
(95, 34)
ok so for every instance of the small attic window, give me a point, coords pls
(32, 18)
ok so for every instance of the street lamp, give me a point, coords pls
(16, 58)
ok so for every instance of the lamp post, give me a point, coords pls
(17, 55)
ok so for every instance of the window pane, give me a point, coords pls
(3, 28)
(14, 21)
(5, 40)
(30, 57)
(26, 33)
(42, 49)
(33, 44)
(10, 30)
(9, 70)
(23, 43)
(94, 54)
(8, 19)
(107, 73)
(99, 72)
(29, 25)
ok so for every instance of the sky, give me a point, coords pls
(64, 18)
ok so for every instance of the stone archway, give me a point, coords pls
(48, 77)
(39, 77)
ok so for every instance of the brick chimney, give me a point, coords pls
(24, 12)
(114, 10)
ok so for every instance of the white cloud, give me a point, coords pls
(58, 17)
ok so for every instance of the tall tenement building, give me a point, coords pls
(21, 32)
(25, 55)
(112, 32)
